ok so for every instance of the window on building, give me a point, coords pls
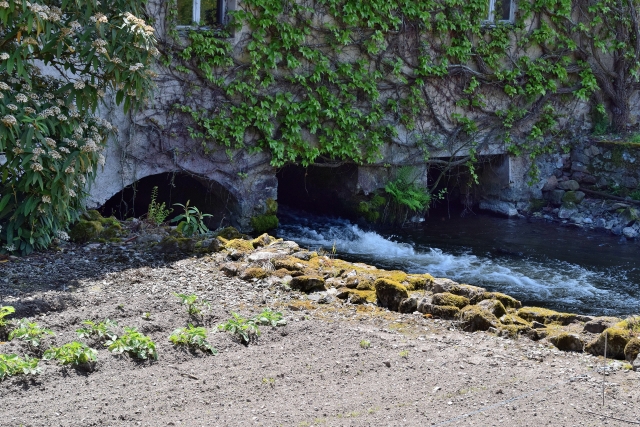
(501, 11)
(209, 13)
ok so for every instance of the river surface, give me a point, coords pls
(541, 264)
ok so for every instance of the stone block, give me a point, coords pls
(555, 197)
(570, 185)
(550, 184)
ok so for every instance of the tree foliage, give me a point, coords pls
(58, 60)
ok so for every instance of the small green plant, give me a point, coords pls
(405, 192)
(146, 315)
(635, 195)
(268, 317)
(135, 344)
(404, 354)
(157, 213)
(11, 364)
(29, 332)
(73, 353)
(194, 337)
(245, 329)
(4, 312)
(100, 331)
(365, 344)
(191, 221)
(271, 382)
(194, 307)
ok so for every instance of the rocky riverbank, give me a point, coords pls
(345, 357)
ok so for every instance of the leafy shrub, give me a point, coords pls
(365, 344)
(193, 306)
(50, 139)
(194, 337)
(4, 312)
(100, 331)
(135, 344)
(73, 353)
(191, 221)
(405, 192)
(157, 213)
(268, 317)
(11, 364)
(245, 329)
(29, 332)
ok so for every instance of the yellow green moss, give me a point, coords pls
(239, 245)
(254, 273)
(230, 233)
(512, 331)
(419, 281)
(365, 285)
(444, 311)
(632, 349)
(262, 223)
(263, 240)
(474, 318)
(566, 341)
(357, 297)
(514, 319)
(289, 263)
(616, 340)
(506, 300)
(85, 231)
(546, 316)
(449, 299)
(630, 323)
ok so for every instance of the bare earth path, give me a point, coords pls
(313, 371)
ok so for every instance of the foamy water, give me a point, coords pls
(550, 283)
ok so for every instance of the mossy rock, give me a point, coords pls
(254, 273)
(92, 215)
(493, 306)
(567, 342)
(365, 285)
(419, 281)
(262, 223)
(393, 275)
(449, 299)
(289, 263)
(632, 349)
(263, 240)
(444, 311)
(616, 341)
(473, 293)
(172, 244)
(308, 284)
(630, 323)
(514, 319)
(390, 293)
(512, 331)
(356, 296)
(546, 316)
(239, 245)
(208, 246)
(408, 305)
(230, 233)
(506, 300)
(84, 231)
(474, 318)
(272, 206)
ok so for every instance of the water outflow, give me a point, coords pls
(535, 278)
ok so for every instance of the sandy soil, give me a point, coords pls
(313, 371)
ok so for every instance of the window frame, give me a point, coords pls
(491, 18)
(221, 16)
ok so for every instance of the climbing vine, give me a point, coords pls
(326, 80)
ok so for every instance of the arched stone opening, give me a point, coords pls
(207, 195)
(320, 189)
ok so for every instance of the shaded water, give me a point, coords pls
(541, 264)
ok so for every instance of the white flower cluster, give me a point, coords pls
(136, 67)
(50, 142)
(22, 98)
(4, 86)
(4, 56)
(79, 85)
(46, 199)
(12, 107)
(99, 18)
(8, 248)
(100, 44)
(45, 13)
(62, 235)
(38, 151)
(9, 120)
(37, 167)
(90, 146)
(4, 4)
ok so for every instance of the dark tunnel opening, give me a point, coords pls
(208, 196)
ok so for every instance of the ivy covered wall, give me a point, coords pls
(384, 82)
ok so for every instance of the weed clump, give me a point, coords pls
(193, 337)
(73, 353)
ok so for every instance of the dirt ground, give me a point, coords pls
(313, 371)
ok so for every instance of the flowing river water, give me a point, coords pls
(541, 264)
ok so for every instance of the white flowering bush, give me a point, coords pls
(50, 139)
